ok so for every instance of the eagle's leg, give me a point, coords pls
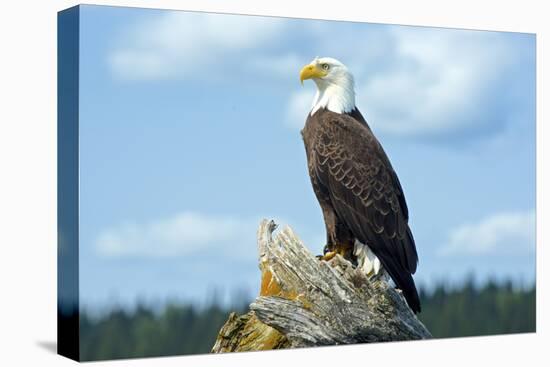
(339, 238)
(330, 224)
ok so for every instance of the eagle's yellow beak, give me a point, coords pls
(311, 71)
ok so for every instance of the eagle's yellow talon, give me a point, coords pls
(329, 255)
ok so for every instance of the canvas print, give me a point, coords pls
(234, 183)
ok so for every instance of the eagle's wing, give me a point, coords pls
(367, 196)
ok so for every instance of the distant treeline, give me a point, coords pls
(495, 308)
(186, 329)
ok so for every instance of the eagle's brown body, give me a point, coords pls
(360, 194)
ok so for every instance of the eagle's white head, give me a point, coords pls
(335, 86)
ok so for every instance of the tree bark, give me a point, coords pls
(307, 302)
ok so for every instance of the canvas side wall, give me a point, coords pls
(67, 183)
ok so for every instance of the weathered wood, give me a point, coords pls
(307, 302)
(247, 333)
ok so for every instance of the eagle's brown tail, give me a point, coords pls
(404, 281)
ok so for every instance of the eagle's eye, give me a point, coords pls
(325, 66)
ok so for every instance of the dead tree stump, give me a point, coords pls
(306, 302)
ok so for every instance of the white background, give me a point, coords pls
(28, 183)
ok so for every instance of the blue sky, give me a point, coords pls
(189, 135)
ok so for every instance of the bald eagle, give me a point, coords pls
(362, 201)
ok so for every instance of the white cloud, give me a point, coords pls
(444, 82)
(181, 44)
(185, 233)
(505, 233)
